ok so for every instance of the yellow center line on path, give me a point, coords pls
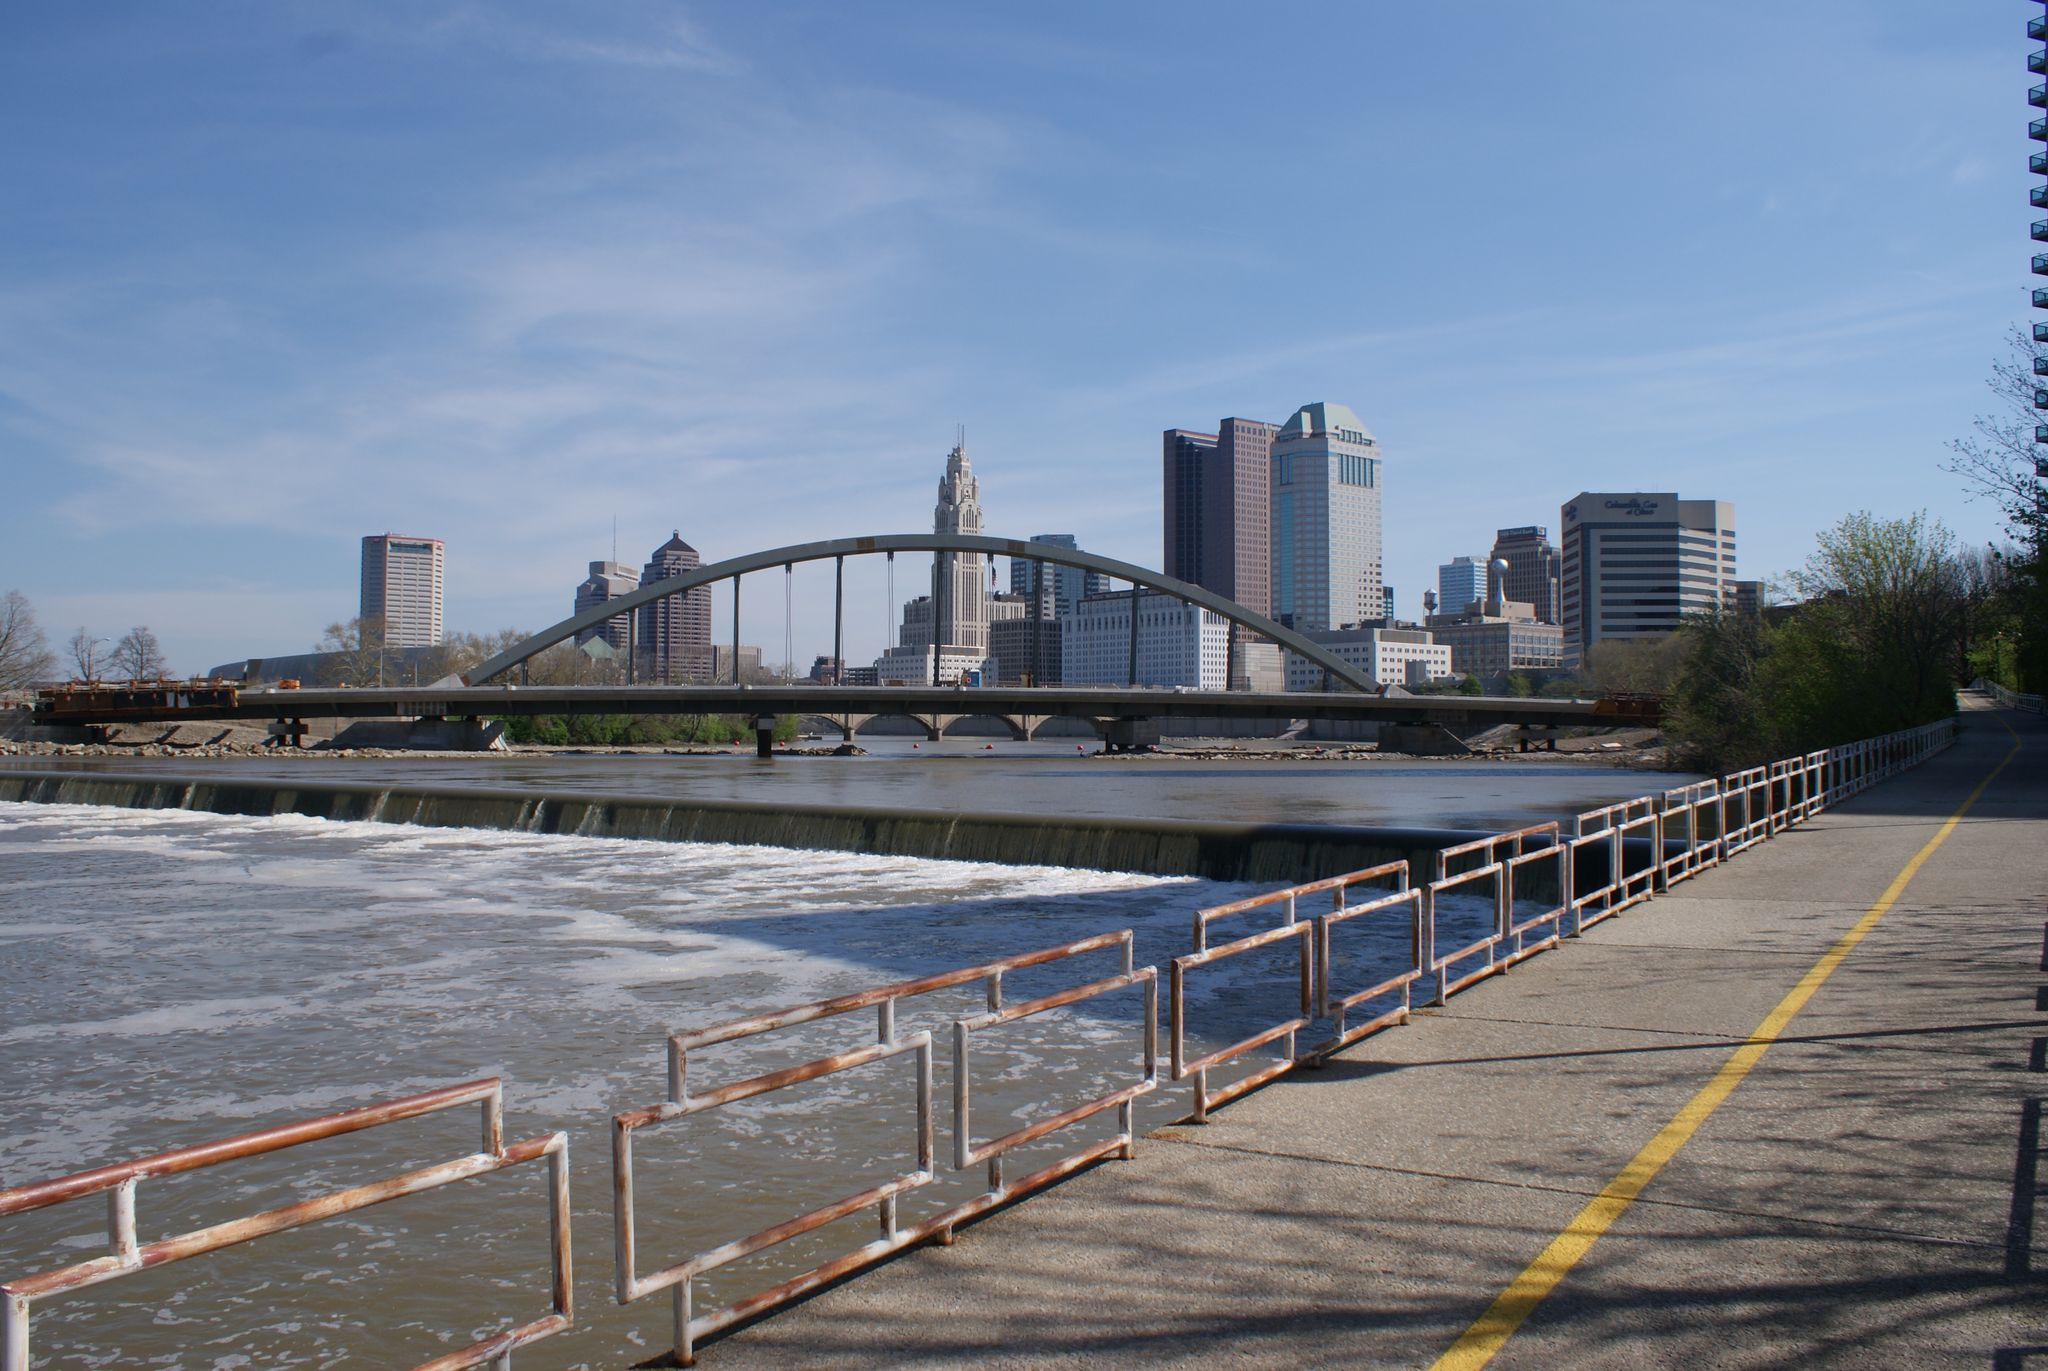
(1477, 1345)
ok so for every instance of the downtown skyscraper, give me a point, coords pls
(674, 634)
(1326, 531)
(1217, 489)
(401, 588)
(960, 578)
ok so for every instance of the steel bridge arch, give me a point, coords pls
(734, 567)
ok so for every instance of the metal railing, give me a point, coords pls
(1495, 861)
(1314, 962)
(2011, 699)
(1609, 833)
(692, 1328)
(127, 1254)
(1692, 823)
(1336, 1006)
(1290, 928)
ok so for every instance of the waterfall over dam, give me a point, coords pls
(1279, 852)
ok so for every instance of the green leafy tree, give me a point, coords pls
(1872, 648)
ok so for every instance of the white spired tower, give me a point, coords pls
(960, 580)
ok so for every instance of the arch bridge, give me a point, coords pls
(889, 544)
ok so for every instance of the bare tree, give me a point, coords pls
(356, 653)
(138, 656)
(2003, 463)
(86, 655)
(24, 654)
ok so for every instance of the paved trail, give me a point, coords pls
(1864, 1196)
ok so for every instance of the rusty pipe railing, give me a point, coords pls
(1336, 1006)
(692, 1328)
(1308, 937)
(128, 1254)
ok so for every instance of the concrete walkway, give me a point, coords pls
(1864, 1198)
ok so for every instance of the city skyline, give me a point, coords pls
(881, 225)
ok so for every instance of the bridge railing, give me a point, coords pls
(2011, 699)
(127, 1254)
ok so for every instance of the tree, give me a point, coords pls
(25, 658)
(138, 656)
(86, 655)
(2004, 464)
(355, 653)
(1886, 602)
(1520, 687)
(1470, 685)
(1635, 666)
(1874, 647)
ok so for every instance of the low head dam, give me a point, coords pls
(1213, 850)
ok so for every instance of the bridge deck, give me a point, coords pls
(862, 701)
(1854, 1202)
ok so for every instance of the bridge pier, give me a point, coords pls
(764, 734)
(1132, 735)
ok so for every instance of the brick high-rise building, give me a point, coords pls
(1534, 570)
(674, 639)
(401, 588)
(1218, 528)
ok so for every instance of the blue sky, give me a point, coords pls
(274, 276)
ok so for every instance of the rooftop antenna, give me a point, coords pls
(615, 537)
(960, 436)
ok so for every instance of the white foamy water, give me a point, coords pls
(168, 977)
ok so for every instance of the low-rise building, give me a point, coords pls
(1179, 644)
(1489, 645)
(1389, 656)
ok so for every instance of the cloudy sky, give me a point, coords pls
(274, 276)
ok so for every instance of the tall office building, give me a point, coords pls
(402, 588)
(674, 639)
(1218, 527)
(1460, 582)
(1636, 563)
(962, 579)
(1062, 586)
(607, 582)
(1326, 520)
(946, 635)
(1534, 568)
